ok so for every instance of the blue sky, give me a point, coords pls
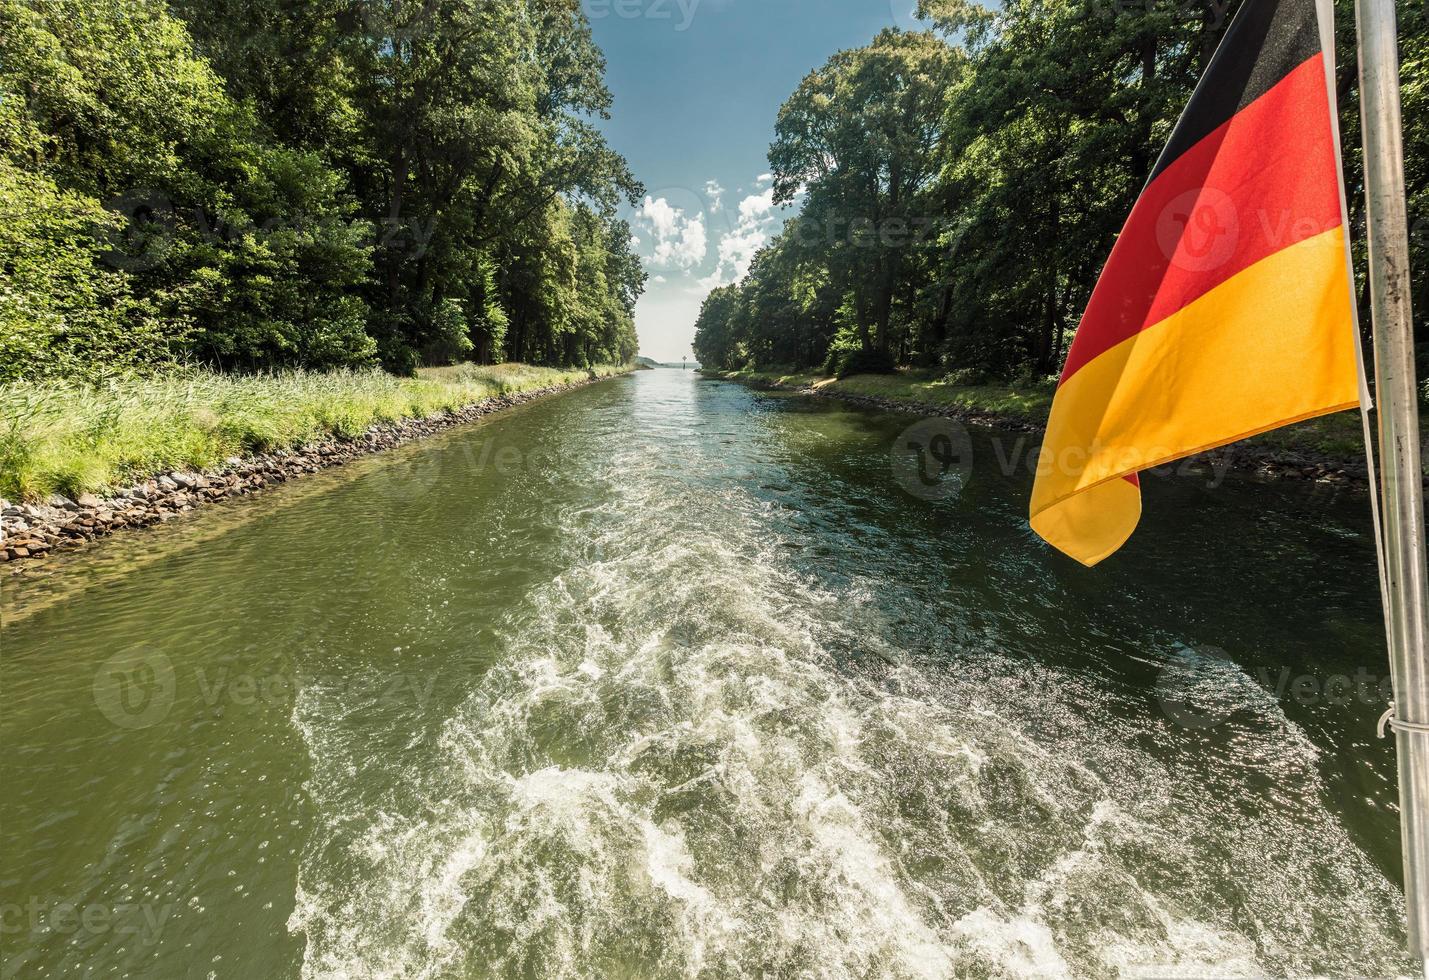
(697, 86)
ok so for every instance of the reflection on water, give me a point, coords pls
(665, 677)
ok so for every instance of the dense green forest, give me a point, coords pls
(959, 188)
(253, 184)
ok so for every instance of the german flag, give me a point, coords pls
(1226, 308)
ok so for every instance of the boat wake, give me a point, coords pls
(692, 759)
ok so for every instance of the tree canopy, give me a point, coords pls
(960, 187)
(258, 183)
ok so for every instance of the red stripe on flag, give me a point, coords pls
(1262, 182)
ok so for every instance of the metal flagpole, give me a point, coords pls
(1401, 477)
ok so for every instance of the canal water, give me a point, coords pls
(669, 678)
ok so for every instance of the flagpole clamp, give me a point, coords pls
(1389, 720)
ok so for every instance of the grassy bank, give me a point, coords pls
(72, 439)
(914, 388)
(1336, 437)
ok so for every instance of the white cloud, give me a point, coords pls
(680, 242)
(659, 280)
(757, 207)
(662, 218)
(764, 179)
(715, 193)
(738, 247)
(686, 251)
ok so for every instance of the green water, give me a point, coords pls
(665, 678)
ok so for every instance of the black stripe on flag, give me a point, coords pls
(1267, 40)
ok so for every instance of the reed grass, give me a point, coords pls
(71, 438)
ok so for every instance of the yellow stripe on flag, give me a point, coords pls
(1271, 346)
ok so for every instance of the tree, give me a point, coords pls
(860, 136)
(716, 344)
(283, 184)
(1041, 120)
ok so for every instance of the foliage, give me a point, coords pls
(860, 138)
(962, 185)
(264, 184)
(1414, 72)
(61, 310)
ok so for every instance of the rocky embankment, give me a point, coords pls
(1270, 462)
(33, 531)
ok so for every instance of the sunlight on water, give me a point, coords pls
(694, 689)
(668, 773)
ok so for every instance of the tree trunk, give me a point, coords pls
(394, 225)
(887, 272)
(1214, 20)
(1061, 320)
(1141, 150)
(1042, 345)
(861, 312)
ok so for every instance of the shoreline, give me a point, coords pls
(31, 534)
(1261, 457)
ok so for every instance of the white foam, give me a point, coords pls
(668, 772)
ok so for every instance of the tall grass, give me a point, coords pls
(69, 438)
